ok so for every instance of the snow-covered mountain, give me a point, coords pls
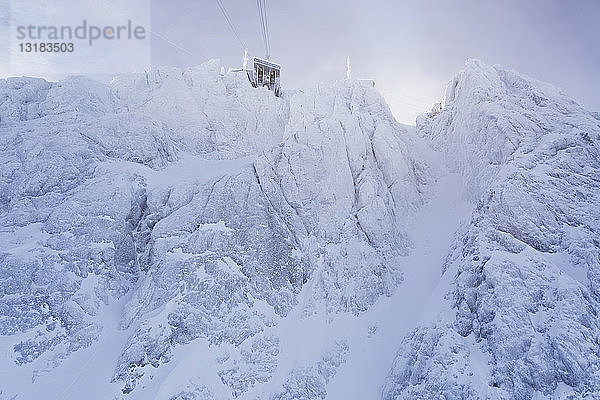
(518, 318)
(180, 235)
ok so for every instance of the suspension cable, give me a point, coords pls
(267, 28)
(224, 11)
(157, 34)
(264, 27)
(261, 21)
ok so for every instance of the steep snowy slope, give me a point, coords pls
(180, 235)
(319, 208)
(76, 178)
(518, 316)
(157, 231)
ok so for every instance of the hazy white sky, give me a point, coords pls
(105, 56)
(410, 48)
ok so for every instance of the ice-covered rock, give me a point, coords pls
(520, 319)
(77, 199)
(178, 234)
(344, 177)
(200, 208)
(295, 215)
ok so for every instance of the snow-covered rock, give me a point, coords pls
(199, 208)
(520, 317)
(178, 234)
(292, 216)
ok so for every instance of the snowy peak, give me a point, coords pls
(362, 155)
(19, 98)
(296, 222)
(179, 234)
(519, 318)
(479, 82)
(490, 115)
(181, 209)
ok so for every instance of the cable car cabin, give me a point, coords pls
(265, 73)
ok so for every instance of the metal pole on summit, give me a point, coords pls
(348, 70)
(245, 60)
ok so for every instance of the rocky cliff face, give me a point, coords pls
(520, 316)
(190, 207)
(181, 235)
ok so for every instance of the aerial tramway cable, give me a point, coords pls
(224, 11)
(156, 33)
(267, 29)
(263, 21)
(264, 25)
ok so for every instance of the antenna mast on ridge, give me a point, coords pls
(245, 60)
(348, 69)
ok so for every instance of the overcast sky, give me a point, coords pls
(411, 48)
